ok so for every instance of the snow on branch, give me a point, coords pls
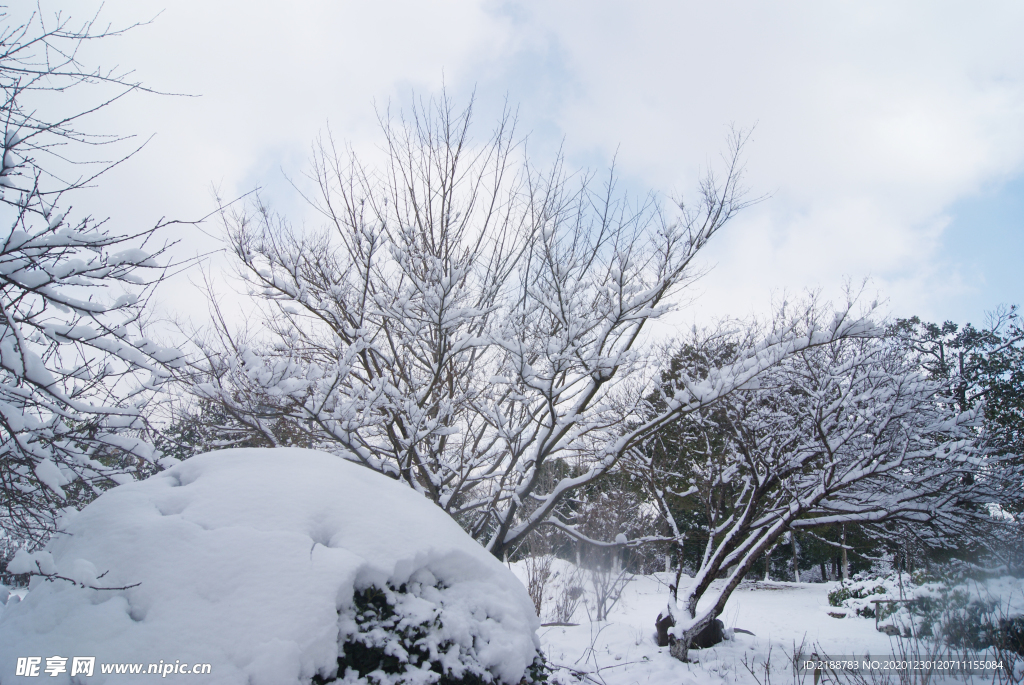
(465, 322)
(842, 427)
(76, 369)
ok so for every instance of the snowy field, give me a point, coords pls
(784, 618)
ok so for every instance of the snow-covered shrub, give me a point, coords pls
(538, 573)
(1010, 635)
(264, 563)
(408, 635)
(966, 612)
(858, 593)
(961, 621)
(568, 593)
(8, 547)
(914, 603)
(564, 591)
(982, 613)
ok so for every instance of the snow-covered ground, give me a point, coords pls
(252, 561)
(784, 617)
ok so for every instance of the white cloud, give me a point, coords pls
(872, 118)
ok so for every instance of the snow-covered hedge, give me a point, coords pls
(261, 563)
(962, 611)
(859, 593)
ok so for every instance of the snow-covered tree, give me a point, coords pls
(465, 318)
(983, 364)
(850, 432)
(75, 373)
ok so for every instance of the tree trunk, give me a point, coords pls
(662, 624)
(680, 648)
(846, 562)
(796, 557)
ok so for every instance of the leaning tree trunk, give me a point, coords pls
(680, 647)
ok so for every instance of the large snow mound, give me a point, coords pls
(243, 559)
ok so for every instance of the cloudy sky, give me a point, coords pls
(889, 137)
